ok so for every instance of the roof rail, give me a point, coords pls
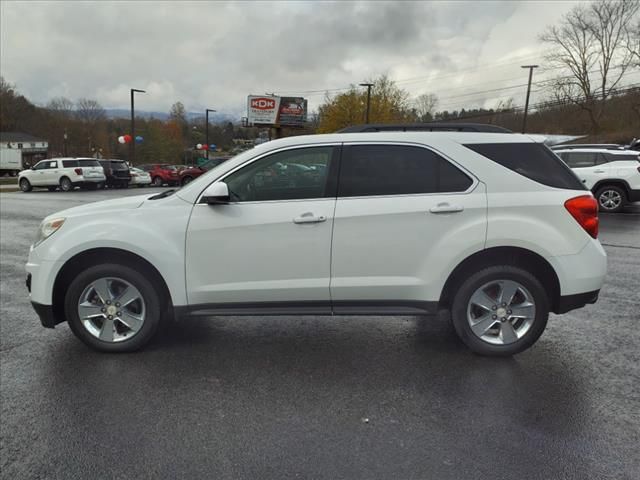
(426, 127)
(603, 146)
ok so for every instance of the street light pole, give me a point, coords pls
(207, 130)
(132, 147)
(526, 104)
(368, 85)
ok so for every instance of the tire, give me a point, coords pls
(501, 338)
(114, 335)
(186, 180)
(25, 185)
(65, 184)
(52, 189)
(611, 199)
(157, 182)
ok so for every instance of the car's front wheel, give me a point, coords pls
(611, 199)
(113, 308)
(500, 311)
(25, 185)
(157, 182)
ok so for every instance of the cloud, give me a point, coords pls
(213, 54)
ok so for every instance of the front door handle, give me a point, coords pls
(309, 217)
(598, 171)
(446, 208)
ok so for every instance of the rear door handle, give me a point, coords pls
(598, 171)
(309, 217)
(446, 208)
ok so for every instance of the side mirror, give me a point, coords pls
(33, 168)
(216, 193)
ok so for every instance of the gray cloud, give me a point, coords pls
(214, 54)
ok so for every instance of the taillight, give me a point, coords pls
(134, 174)
(78, 171)
(585, 210)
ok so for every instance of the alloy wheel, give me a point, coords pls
(111, 309)
(501, 312)
(610, 199)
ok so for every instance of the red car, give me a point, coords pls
(161, 174)
(188, 173)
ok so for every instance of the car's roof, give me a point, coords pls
(394, 136)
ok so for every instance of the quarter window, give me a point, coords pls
(288, 175)
(397, 170)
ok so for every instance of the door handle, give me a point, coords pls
(309, 217)
(598, 171)
(446, 208)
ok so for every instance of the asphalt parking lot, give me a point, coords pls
(318, 397)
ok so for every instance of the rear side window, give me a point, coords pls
(88, 163)
(397, 170)
(531, 160)
(69, 163)
(583, 159)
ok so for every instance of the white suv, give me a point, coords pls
(63, 173)
(492, 227)
(613, 175)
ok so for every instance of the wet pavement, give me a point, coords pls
(319, 397)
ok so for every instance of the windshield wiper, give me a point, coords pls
(164, 194)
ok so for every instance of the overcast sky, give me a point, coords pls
(213, 54)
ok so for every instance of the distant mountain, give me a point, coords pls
(213, 117)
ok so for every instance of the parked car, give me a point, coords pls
(612, 175)
(139, 177)
(63, 173)
(188, 173)
(117, 173)
(162, 174)
(491, 227)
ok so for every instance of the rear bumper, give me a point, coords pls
(578, 300)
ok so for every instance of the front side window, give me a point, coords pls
(397, 170)
(53, 164)
(41, 165)
(288, 175)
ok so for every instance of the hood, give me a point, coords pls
(126, 203)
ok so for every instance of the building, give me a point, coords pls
(20, 150)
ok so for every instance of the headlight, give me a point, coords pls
(48, 228)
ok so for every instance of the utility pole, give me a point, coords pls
(368, 85)
(207, 130)
(132, 147)
(526, 104)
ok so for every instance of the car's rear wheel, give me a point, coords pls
(65, 184)
(611, 199)
(157, 182)
(25, 185)
(113, 308)
(500, 311)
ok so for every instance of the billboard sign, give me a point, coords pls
(281, 111)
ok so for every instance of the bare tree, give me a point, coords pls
(425, 106)
(632, 42)
(61, 106)
(90, 111)
(590, 45)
